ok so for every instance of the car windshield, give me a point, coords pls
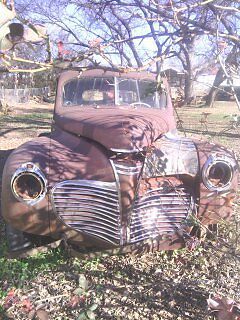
(113, 91)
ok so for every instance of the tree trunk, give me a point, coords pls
(220, 77)
(187, 50)
(188, 88)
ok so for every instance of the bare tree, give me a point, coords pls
(136, 34)
(229, 64)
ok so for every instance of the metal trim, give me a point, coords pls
(108, 218)
(126, 150)
(33, 169)
(119, 199)
(214, 159)
(169, 214)
(127, 170)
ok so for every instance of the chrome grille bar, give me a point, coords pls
(127, 170)
(159, 212)
(91, 207)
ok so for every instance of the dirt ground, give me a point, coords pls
(18, 128)
(19, 125)
(213, 124)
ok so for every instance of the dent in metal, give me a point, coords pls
(171, 156)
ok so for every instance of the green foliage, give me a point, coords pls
(18, 272)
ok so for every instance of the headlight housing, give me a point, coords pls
(217, 173)
(29, 184)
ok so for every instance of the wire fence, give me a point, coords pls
(15, 96)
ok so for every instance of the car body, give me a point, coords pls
(114, 171)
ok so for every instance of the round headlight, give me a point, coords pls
(217, 173)
(29, 184)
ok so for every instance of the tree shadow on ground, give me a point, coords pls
(22, 124)
(47, 110)
(137, 291)
(222, 133)
(164, 297)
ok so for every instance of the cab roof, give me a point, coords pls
(112, 72)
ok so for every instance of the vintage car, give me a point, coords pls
(114, 173)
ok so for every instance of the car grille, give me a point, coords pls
(159, 211)
(91, 207)
(127, 170)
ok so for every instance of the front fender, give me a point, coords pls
(29, 218)
(215, 205)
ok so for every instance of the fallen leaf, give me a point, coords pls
(83, 283)
(222, 307)
(10, 299)
(91, 315)
(42, 314)
(31, 314)
(27, 305)
(82, 316)
(75, 301)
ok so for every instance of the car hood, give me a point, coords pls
(118, 129)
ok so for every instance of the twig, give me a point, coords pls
(29, 70)
(52, 298)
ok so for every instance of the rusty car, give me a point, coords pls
(114, 172)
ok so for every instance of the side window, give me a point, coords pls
(88, 91)
(147, 90)
(127, 91)
(162, 99)
(69, 92)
